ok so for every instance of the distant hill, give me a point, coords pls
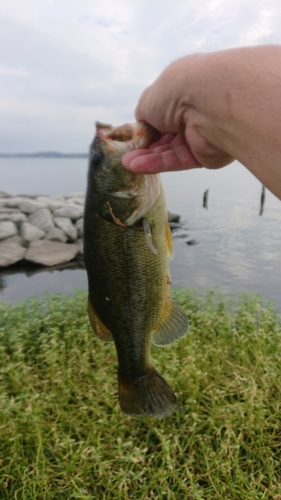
(45, 154)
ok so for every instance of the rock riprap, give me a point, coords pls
(46, 230)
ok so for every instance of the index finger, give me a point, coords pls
(143, 161)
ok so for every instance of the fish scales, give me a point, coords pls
(120, 302)
(128, 275)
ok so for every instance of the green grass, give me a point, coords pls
(62, 435)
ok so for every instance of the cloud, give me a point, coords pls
(64, 63)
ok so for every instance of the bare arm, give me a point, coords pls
(214, 108)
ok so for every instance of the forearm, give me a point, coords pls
(219, 107)
(233, 99)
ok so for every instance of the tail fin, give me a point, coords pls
(149, 394)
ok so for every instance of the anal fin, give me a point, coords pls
(173, 325)
(97, 325)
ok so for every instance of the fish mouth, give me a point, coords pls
(119, 140)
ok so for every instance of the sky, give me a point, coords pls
(66, 63)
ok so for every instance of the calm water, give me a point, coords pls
(237, 250)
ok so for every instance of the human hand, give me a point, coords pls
(170, 152)
(213, 108)
(184, 144)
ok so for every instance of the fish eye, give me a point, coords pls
(96, 159)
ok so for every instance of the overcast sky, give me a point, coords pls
(66, 63)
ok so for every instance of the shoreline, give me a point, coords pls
(44, 230)
(41, 230)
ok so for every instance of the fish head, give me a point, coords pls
(115, 192)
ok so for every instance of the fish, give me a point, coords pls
(127, 244)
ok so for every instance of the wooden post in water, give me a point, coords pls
(206, 198)
(262, 200)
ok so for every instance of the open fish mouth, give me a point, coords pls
(124, 138)
(117, 141)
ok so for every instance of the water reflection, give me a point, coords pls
(20, 282)
(2, 283)
(237, 250)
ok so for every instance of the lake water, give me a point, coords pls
(238, 250)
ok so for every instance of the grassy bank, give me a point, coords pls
(62, 435)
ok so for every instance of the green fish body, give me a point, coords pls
(127, 242)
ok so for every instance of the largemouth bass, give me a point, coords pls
(127, 241)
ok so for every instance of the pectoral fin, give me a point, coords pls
(173, 325)
(97, 325)
(148, 235)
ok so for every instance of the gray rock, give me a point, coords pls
(18, 218)
(14, 202)
(75, 201)
(68, 228)
(59, 197)
(4, 216)
(75, 194)
(15, 216)
(55, 204)
(6, 209)
(79, 224)
(30, 233)
(192, 242)
(31, 196)
(30, 206)
(50, 253)
(43, 199)
(173, 217)
(7, 229)
(80, 245)
(42, 219)
(52, 202)
(73, 212)
(10, 252)
(16, 239)
(3, 202)
(3, 194)
(56, 234)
